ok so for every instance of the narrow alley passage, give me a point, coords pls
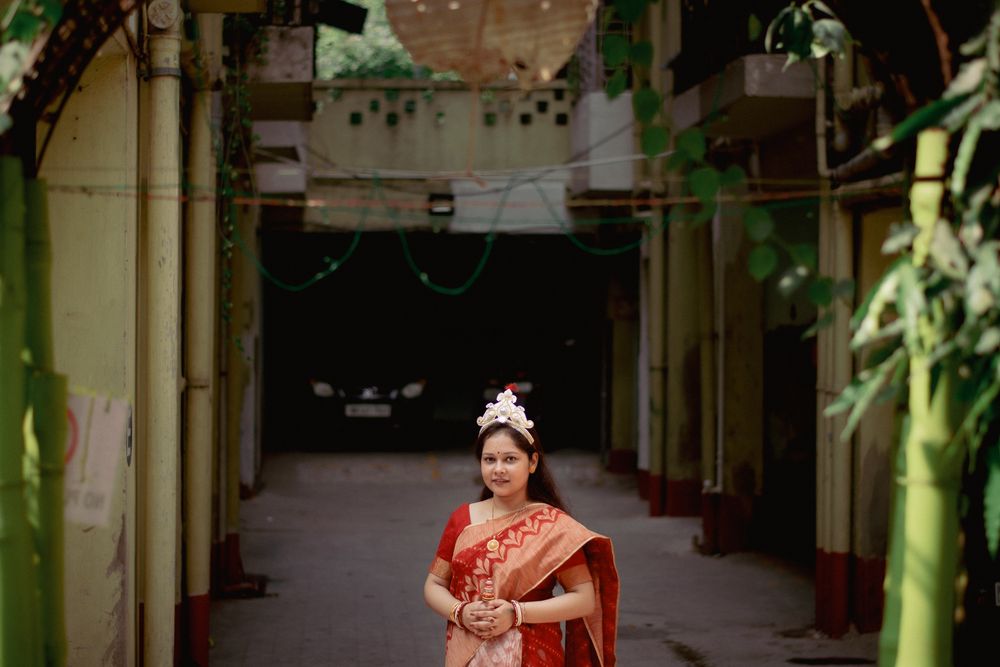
(346, 540)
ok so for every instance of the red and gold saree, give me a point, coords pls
(541, 546)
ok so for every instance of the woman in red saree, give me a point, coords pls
(499, 559)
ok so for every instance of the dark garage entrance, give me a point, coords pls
(534, 316)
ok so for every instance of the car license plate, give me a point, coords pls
(378, 410)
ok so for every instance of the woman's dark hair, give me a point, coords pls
(541, 486)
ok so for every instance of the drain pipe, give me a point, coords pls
(163, 278)
(719, 273)
(200, 278)
(707, 381)
(835, 366)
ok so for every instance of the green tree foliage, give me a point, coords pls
(21, 23)
(932, 323)
(374, 54)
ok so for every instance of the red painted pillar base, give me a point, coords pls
(735, 516)
(869, 594)
(622, 461)
(832, 593)
(657, 495)
(710, 503)
(198, 607)
(228, 577)
(642, 481)
(683, 497)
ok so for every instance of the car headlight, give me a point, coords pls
(413, 390)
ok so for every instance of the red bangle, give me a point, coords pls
(458, 615)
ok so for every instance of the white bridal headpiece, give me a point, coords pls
(505, 412)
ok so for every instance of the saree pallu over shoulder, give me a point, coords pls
(531, 550)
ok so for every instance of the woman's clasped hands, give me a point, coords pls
(488, 618)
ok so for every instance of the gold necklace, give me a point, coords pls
(494, 544)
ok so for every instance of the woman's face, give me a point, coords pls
(506, 467)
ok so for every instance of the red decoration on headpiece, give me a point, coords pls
(512, 386)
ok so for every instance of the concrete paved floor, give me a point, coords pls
(346, 540)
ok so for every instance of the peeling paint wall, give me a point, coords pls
(94, 315)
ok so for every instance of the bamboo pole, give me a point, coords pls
(47, 397)
(933, 468)
(163, 253)
(20, 641)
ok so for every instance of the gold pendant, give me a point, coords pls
(493, 544)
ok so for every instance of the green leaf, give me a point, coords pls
(705, 213)
(981, 410)
(893, 329)
(23, 27)
(704, 183)
(654, 140)
(867, 319)
(959, 116)
(631, 10)
(982, 287)
(818, 4)
(963, 157)
(975, 45)
(6, 122)
(692, 142)
(642, 54)
(989, 341)
(820, 292)
(677, 161)
(818, 325)
(911, 303)
(828, 36)
(847, 397)
(865, 388)
(774, 28)
(616, 84)
(947, 253)
(900, 237)
(758, 223)
(51, 10)
(733, 175)
(763, 261)
(615, 50)
(805, 254)
(646, 103)
(792, 31)
(969, 78)
(991, 499)
(754, 27)
(922, 118)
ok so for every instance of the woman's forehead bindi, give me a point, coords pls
(509, 452)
